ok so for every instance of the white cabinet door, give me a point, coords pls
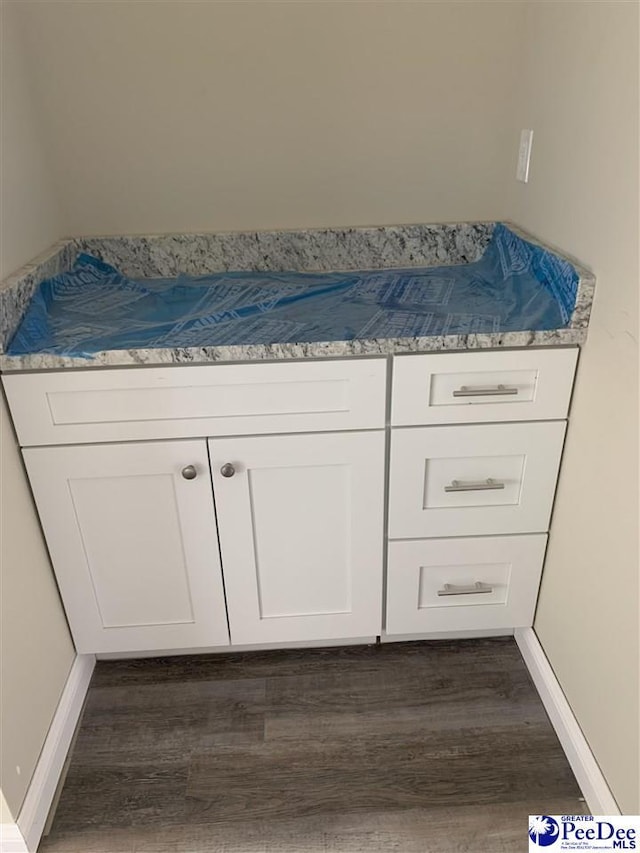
(473, 480)
(133, 543)
(300, 523)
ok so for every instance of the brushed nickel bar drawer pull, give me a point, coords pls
(471, 589)
(482, 486)
(485, 391)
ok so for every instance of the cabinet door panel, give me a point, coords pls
(124, 559)
(133, 544)
(321, 583)
(301, 535)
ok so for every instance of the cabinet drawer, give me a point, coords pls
(65, 407)
(473, 480)
(431, 583)
(482, 386)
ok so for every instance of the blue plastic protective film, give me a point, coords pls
(515, 286)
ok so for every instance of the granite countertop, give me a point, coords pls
(385, 247)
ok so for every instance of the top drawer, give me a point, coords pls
(471, 387)
(74, 407)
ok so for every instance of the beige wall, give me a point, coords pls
(580, 95)
(5, 811)
(36, 649)
(178, 116)
(29, 212)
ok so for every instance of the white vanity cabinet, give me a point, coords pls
(204, 506)
(132, 535)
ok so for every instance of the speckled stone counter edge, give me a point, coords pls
(305, 250)
(16, 290)
(321, 249)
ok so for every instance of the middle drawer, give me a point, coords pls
(473, 480)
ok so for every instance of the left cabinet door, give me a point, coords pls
(131, 530)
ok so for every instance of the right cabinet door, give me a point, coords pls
(300, 522)
(473, 480)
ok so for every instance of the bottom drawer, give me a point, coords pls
(463, 584)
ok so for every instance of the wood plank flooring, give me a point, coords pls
(437, 747)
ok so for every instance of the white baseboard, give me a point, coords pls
(11, 839)
(582, 761)
(44, 782)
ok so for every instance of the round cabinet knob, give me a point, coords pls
(228, 470)
(189, 472)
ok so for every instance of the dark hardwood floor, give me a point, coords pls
(436, 747)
